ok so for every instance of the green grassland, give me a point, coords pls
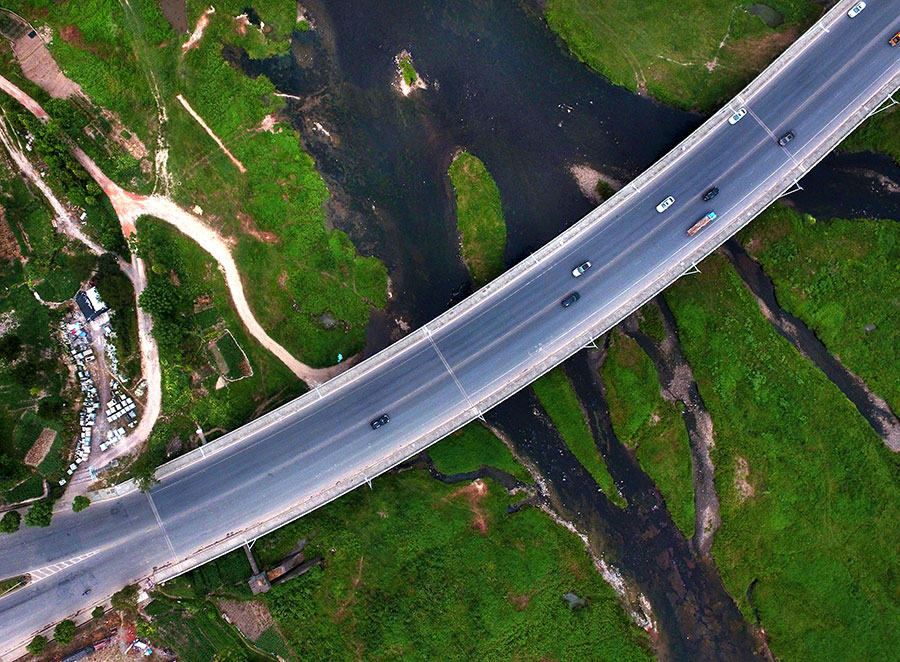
(479, 218)
(650, 426)
(197, 633)
(839, 276)
(188, 377)
(472, 447)
(234, 357)
(815, 542)
(409, 575)
(303, 275)
(713, 49)
(33, 374)
(559, 401)
(880, 133)
(409, 72)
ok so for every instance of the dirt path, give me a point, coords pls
(30, 104)
(131, 206)
(193, 113)
(66, 224)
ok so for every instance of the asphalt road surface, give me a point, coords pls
(428, 384)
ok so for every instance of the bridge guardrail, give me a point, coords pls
(588, 224)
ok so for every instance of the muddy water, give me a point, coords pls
(695, 616)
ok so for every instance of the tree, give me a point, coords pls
(10, 346)
(80, 503)
(40, 513)
(64, 632)
(10, 522)
(37, 645)
(98, 612)
(160, 297)
(11, 471)
(126, 599)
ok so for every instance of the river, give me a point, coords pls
(502, 86)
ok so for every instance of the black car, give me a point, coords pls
(569, 300)
(384, 419)
(710, 194)
(786, 138)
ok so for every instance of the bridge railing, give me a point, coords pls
(510, 279)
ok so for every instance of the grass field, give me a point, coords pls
(650, 426)
(710, 53)
(472, 447)
(32, 372)
(234, 357)
(839, 277)
(809, 495)
(479, 218)
(878, 134)
(419, 570)
(559, 400)
(312, 292)
(188, 377)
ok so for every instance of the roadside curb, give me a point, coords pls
(579, 338)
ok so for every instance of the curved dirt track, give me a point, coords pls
(131, 206)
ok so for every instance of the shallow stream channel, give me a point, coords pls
(500, 85)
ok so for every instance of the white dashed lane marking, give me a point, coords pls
(52, 569)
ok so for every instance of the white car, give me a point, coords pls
(734, 119)
(858, 7)
(665, 204)
(580, 269)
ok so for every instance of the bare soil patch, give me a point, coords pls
(742, 479)
(9, 247)
(252, 617)
(757, 53)
(474, 493)
(39, 66)
(40, 448)
(248, 226)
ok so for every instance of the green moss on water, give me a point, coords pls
(839, 277)
(636, 44)
(406, 68)
(880, 133)
(416, 570)
(473, 447)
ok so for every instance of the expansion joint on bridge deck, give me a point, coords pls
(437, 349)
(885, 105)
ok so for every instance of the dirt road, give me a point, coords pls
(131, 206)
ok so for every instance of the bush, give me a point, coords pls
(80, 503)
(98, 612)
(10, 522)
(146, 629)
(40, 513)
(37, 645)
(126, 599)
(64, 632)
